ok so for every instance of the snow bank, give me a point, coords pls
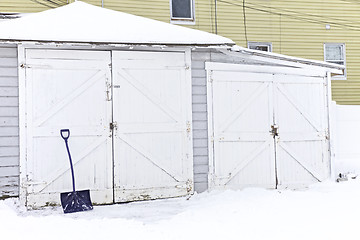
(324, 211)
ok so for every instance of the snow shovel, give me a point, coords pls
(75, 201)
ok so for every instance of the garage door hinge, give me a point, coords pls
(188, 127)
(110, 66)
(187, 67)
(327, 135)
(108, 92)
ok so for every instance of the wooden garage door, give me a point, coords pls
(141, 109)
(152, 117)
(268, 127)
(302, 146)
(241, 114)
(67, 89)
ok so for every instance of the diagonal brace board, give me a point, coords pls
(148, 94)
(78, 158)
(246, 161)
(240, 110)
(298, 107)
(67, 100)
(147, 155)
(303, 164)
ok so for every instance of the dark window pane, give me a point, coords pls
(262, 48)
(341, 63)
(259, 47)
(181, 9)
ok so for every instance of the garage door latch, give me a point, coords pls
(113, 125)
(274, 130)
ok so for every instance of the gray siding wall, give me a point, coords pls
(9, 123)
(199, 110)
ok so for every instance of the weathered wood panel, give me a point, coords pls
(9, 171)
(9, 141)
(9, 111)
(9, 123)
(11, 101)
(9, 161)
(8, 81)
(10, 180)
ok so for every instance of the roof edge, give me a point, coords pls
(283, 57)
(115, 44)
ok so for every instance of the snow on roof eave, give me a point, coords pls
(332, 67)
(82, 22)
(147, 44)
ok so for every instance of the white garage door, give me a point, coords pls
(129, 114)
(268, 127)
(67, 89)
(152, 140)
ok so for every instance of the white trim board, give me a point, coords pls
(262, 69)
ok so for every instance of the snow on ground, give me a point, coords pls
(327, 210)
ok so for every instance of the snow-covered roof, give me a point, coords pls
(82, 22)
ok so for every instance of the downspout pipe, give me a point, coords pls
(216, 31)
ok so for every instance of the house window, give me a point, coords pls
(262, 46)
(335, 53)
(182, 11)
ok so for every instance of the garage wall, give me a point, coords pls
(9, 146)
(199, 105)
(9, 123)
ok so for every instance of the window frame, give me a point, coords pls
(337, 77)
(267, 44)
(186, 21)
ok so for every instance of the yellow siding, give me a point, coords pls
(155, 9)
(295, 27)
(22, 6)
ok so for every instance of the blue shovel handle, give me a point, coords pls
(65, 134)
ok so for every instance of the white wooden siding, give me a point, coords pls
(9, 123)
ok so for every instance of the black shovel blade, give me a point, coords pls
(77, 201)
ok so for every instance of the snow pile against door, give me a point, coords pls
(130, 119)
(267, 129)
